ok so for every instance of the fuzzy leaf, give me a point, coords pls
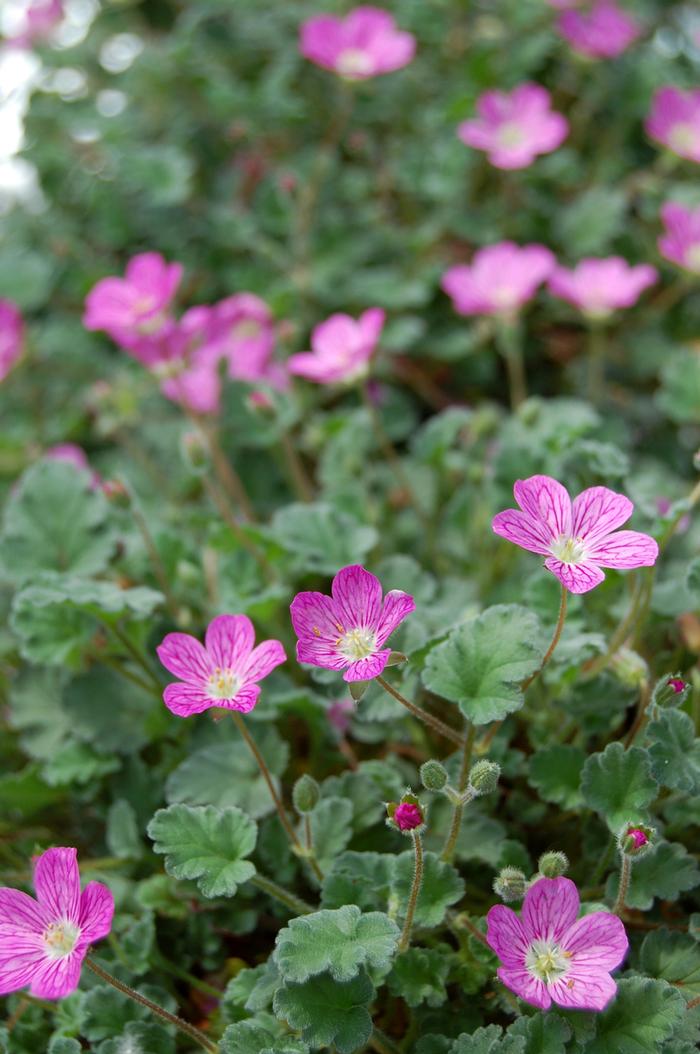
(328, 1012)
(442, 887)
(339, 941)
(419, 975)
(260, 1036)
(139, 1037)
(206, 843)
(489, 1040)
(555, 772)
(619, 784)
(665, 872)
(543, 1033)
(359, 878)
(675, 751)
(483, 662)
(321, 537)
(331, 829)
(674, 957)
(640, 1019)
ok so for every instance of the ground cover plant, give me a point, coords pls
(349, 565)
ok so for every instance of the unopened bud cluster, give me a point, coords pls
(483, 779)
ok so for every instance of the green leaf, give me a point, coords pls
(442, 887)
(321, 537)
(489, 1040)
(206, 843)
(139, 1037)
(555, 772)
(122, 834)
(227, 774)
(639, 1020)
(107, 712)
(619, 784)
(483, 662)
(419, 975)
(107, 1011)
(675, 751)
(340, 941)
(665, 872)
(679, 396)
(543, 1033)
(55, 522)
(673, 957)
(359, 878)
(63, 1045)
(260, 1036)
(36, 711)
(328, 1012)
(331, 829)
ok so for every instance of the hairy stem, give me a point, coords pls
(415, 890)
(435, 723)
(640, 716)
(237, 531)
(555, 640)
(277, 892)
(625, 875)
(458, 808)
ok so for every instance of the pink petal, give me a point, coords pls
(506, 936)
(243, 701)
(583, 989)
(187, 699)
(18, 966)
(546, 502)
(625, 549)
(526, 986)
(366, 669)
(314, 616)
(357, 596)
(229, 640)
(321, 653)
(186, 657)
(577, 578)
(598, 511)
(21, 914)
(263, 660)
(397, 606)
(550, 907)
(96, 912)
(518, 527)
(57, 883)
(57, 978)
(371, 323)
(597, 940)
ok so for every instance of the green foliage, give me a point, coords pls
(340, 942)
(555, 773)
(419, 975)
(673, 957)
(619, 784)
(643, 1015)
(260, 1037)
(482, 663)
(442, 887)
(543, 1033)
(675, 751)
(206, 843)
(489, 1040)
(329, 1012)
(331, 829)
(321, 538)
(665, 872)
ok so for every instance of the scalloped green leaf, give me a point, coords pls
(673, 957)
(321, 537)
(419, 975)
(331, 829)
(619, 784)
(328, 1011)
(555, 773)
(339, 941)
(442, 887)
(641, 1017)
(666, 872)
(675, 751)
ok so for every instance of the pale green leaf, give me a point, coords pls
(339, 941)
(619, 784)
(329, 1012)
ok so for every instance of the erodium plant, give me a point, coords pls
(349, 553)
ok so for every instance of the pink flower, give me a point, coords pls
(348, 630)
(222, 672)
(681, 240)
(43, 942)
(407, 816)
(513, 128)
(600, 33)
(637, 836)
(548, 956)
(577, 538)
(499, 280)
(341, 348)
(134, 309)
(363, 44)
(39, 19)
(676, 685)
(11, 336)
(675, 121)
(244, 325)
(185, 358)
(599, 287)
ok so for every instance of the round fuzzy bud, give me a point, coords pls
(305, 794)
(510, 884)
(483, 777)
(635, 839)
(408, 816)
(433, 775)
(553, 864)
(629, 668)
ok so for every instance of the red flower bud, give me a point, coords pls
(408, 816)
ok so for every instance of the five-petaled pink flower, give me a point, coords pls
(675, 121)
(681, 240)
(363, 44)
(222, 672)
(579, 537)
(341, 348)
(602, 32)
(499, 280)
(513, 128)
(599, 286)
(11, 336)
(244, 325)
(550, 956)
(133, 310)
(43, 942)
(348, 630)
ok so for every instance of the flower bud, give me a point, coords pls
(483, 777)
(553, 864)
(406, 816)
(396, 658)
(433, 775)
(510, 884)
(117, 493)
(629, 668)
(357, 689)
(668, 691)
(635, 839)
(305, 794)
(676, 685)
(194, 450)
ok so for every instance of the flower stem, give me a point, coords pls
(154, 557)
(308, 838)
(435, 723)
(381, 1043)
(555, 640)
(415, 890)
(596, 666)
(596, 362)
(279, 805)
(693, 1002)
(226, 474)
(290, 900)
(458, 809)
(136, 655)
(184, 1026)
(640, 716)
(510, 346)
(298, 474)
(237, 531)
(625, 875)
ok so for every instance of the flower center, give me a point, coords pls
(223, 683)
(354, 63)
(60, 939)
(547, 961)
(510, 135)
(568, 550)
(358, 643)
(683, 138)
